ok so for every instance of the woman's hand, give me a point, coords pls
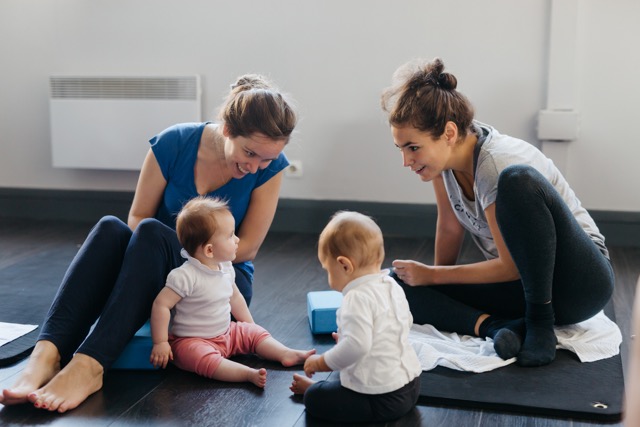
(413, 273)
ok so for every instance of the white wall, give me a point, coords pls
(604, 163)
(334, 57)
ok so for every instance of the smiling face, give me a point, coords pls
(425, 156)
(246, 155)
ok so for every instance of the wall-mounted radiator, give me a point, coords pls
(106, 122)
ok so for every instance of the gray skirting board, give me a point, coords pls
(293, 215)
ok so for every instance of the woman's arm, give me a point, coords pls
(257, 221)
(500, 269)
(151, 185)
(448, 241)
(449, 232)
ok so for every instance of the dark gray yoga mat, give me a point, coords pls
(566, 388)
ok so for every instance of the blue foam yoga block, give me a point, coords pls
(136, 354)
(321, 309)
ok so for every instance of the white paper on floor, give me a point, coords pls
(11, 331)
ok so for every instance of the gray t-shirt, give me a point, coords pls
(496, 152)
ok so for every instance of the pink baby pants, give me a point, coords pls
(204, 355)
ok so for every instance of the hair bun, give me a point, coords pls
(251, 81)
(447, 81)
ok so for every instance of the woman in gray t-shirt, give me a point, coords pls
(546, 261)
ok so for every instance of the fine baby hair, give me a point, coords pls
(254, 105)
(355, 236)
(424, 96)
(198, 221)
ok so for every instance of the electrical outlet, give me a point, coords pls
(294, 170)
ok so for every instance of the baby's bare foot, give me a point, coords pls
(43, 364)
(296, 357)
(71, 386)
(300, 384)
(258, 377)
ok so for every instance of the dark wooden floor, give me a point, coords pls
(287, 269)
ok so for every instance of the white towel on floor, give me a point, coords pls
(594, 339)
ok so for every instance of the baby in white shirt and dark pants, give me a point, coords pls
(379, 370)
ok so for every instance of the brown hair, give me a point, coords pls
(422, 95)
(197, 221)
(355, 236)
(254, 106)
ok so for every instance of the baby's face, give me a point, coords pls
(225, 241)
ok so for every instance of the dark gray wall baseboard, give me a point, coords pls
(293, 215)
(395, 219)
(64, 205)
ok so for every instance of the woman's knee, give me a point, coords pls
(518, 178)
(112, 227)
(150, 230)
(111, 224)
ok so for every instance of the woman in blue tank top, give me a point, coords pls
(120, 268)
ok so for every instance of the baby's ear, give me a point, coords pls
(345, 264)
(207, 249)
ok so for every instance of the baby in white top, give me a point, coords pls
(202, 295)
(379, 370)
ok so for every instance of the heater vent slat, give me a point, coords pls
(124, 87)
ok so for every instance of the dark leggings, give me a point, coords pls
(331, 401)
(556, 259)
(115, 276)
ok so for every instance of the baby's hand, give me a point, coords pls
(161, 354)
(310, 365)
(315, 363)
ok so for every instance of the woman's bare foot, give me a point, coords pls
(71, 386)
(258, 377)
(43, 364)
(300, 384)
(296, 357)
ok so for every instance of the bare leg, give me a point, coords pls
(272, 349)
(71, 386)
(300, 384)
(234, 372)
(476, 328)
(43, 364)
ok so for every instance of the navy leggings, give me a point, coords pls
(556, 259)
(115, 276)
(329, 400)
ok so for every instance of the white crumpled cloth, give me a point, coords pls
(594, 339)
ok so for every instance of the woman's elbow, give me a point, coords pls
(511, 273)
(247, 254)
